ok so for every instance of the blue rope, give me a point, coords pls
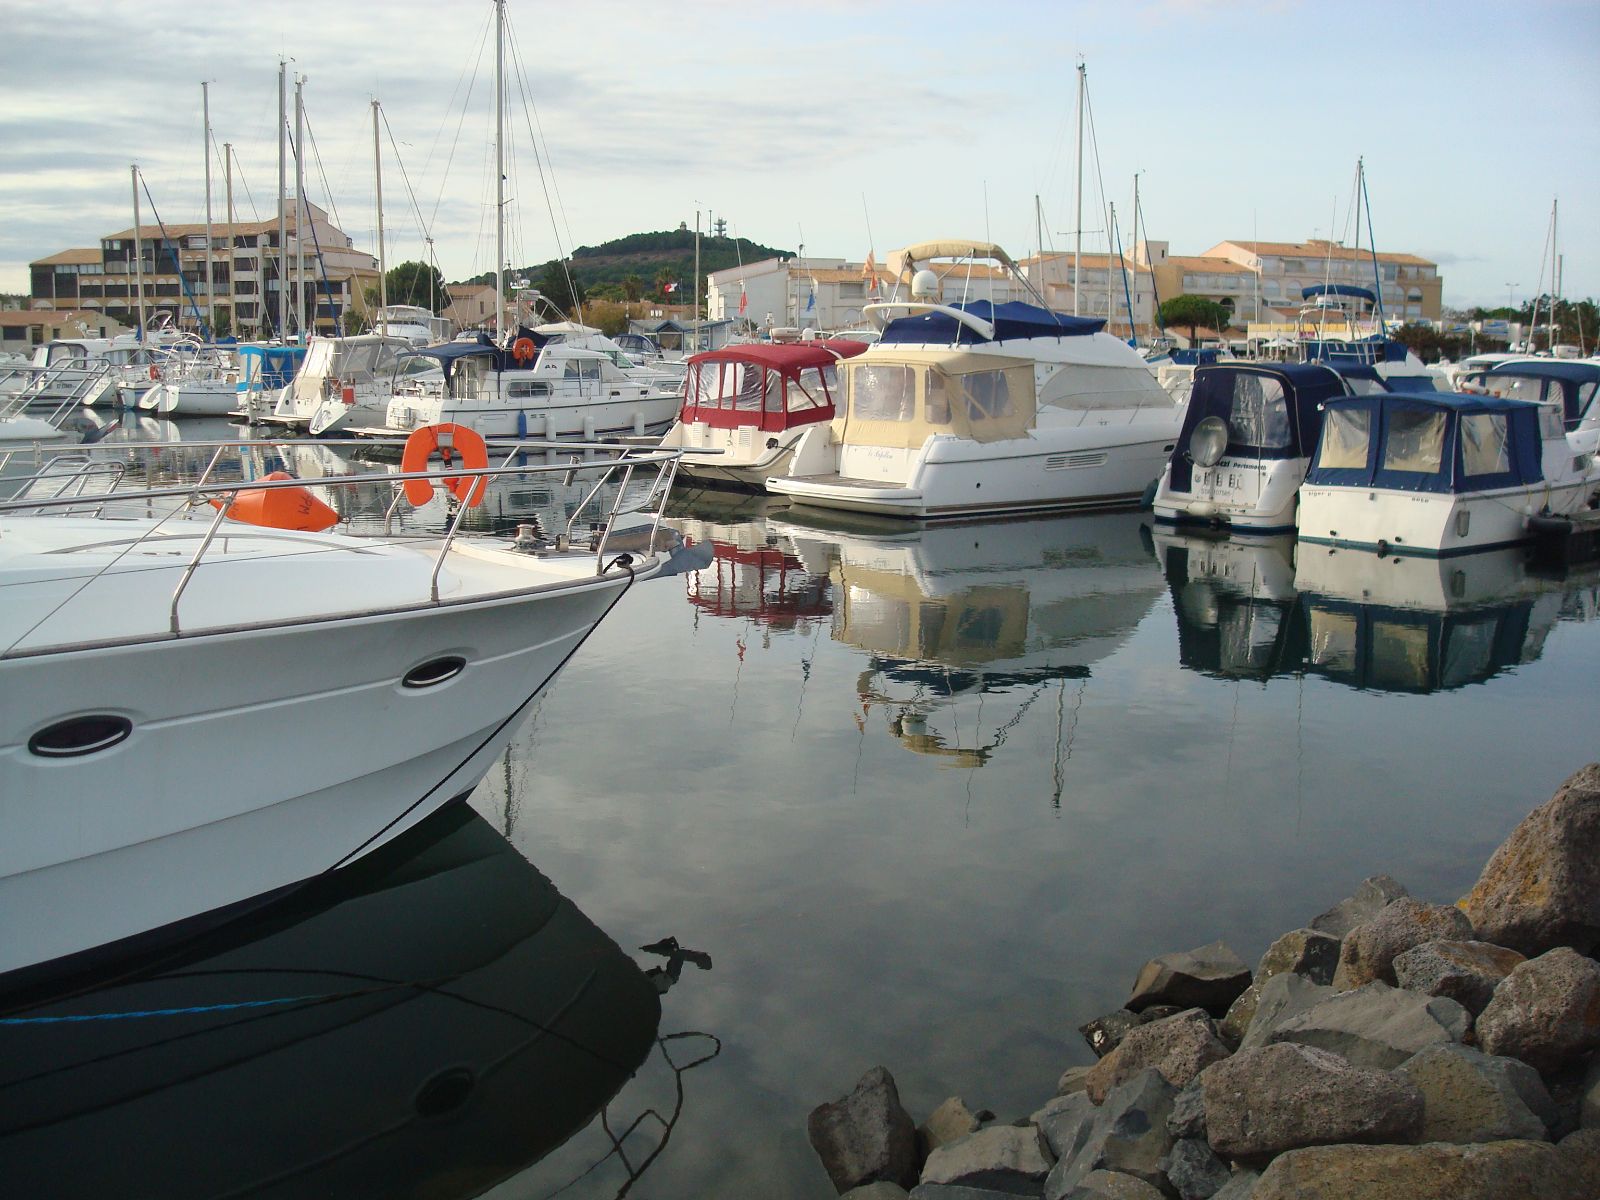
(166, 1012)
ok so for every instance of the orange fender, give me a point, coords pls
(281, 508)
(448, 442)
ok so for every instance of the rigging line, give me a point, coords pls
(466, 102)
(405, 177)
(546, 179)
(327, 190)
(542, 141)
(188, 292)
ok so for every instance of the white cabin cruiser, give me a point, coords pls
(976, 408)
(1573, 384)
(530, 391)
(745, 407)
(204, 383)
(210, 705)
(1440, 473)
(413, 324)
(343, 383)
(1247, 439)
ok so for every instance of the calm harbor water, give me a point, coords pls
(928, 798)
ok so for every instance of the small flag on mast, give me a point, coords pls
(744, 300)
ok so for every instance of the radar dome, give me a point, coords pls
(925, 285)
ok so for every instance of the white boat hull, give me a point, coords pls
(241, 775)
(742, 458)
(1440, 523)
(178, 400)
(1245, 495)
(637, 415)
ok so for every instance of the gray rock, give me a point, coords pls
(866, 1136)
(1370, 948)
(1188, 1119)
(1368, 901)
(1580, 1152)
(1305, 952)
(1437, 1171)
(1469, 1096)
(1194, 1172)
(1209, 977)
(1589, 1106)
(1072, 1080)
(1240, 1187)
(1263, 1102)
(1282, 997)
(954, 1191)
(1180, 1047)
(1376, 1026)
(1004, 1158)
(1066, 1122)
(1467, 972)
(877, 1191)
(1105, 1033)
(951, 1120)
(1546, 1012)
(1129, 1134)
(1113, 1185)
(1541, 888)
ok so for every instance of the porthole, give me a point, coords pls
(77, 736)
(434, 672)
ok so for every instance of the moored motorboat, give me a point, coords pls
(746, 406)
(979, 407)
(196, 711)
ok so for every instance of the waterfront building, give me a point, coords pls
(23, 329)
(1409, 286)
(471, 305)
(246, 267)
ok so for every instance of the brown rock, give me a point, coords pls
(1179, 1047)
(1436, 1171)
(1304, 952)
(1467, 972)
(865, 1136)
(951, 1120)
(1369, 900)
(1541, 888)
(1369, 949)
(1208, 977)
(1546, 1012)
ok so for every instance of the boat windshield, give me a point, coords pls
(1414, 441)
(1259, 415)
(971, 396)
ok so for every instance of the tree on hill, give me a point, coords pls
(632, 287)
(1191, 312)
(416, 283)
(560, 287)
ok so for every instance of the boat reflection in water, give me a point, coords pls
(750, 572)
(966, 627)
(1393, 624)
(425, 1022)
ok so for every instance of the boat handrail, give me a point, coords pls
(984, 329)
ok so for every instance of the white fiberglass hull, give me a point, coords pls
(259, 757)
(180, 400)
(1437, 523)
(637, 415)
(742, 458)
(1246, 495)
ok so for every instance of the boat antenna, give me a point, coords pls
(1372, 241)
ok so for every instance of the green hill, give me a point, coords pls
(602, 271)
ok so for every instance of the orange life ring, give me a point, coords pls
(523, 350)
(449, 442)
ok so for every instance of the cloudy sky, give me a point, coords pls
(839, 126)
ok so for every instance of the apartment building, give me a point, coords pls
(1410, 287)
(322, 275)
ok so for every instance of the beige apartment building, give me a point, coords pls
(322, 275)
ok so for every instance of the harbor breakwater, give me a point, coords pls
(1391, 1048)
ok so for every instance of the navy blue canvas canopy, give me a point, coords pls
(1418, 442)
(1013, 319)
(447, 354)
(1338, 289)
(1571, 377)
(1202, 357)
(1363, 373)
(1336, 352)
(1219, 391)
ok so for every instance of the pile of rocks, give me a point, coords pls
(1392, 1048)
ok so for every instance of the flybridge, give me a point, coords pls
(1014, 319)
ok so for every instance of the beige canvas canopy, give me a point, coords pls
(902, 263)
(900, 398)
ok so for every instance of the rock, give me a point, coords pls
(1072, 1080)
(866, 1136)
(1541, 888)
(1263, 1102)
(1241, 1186)
(1194, 1172)
(1469, 1096)
(1113, 1185)
(877, 1191)
(1282, 997)
(1065, 1123)
(1004, 1158)
(1129, 1134)
(1546, 1012)
(951, 1120)
(1179, 1047)
(1208, 977)
(1368, 901)
(1188, 1119)
(1105, 1033)
(1305, 952)
(1589, 1106)
(1581, 1152)
(954, 1191)
(1437, 1171)
(1376, 1026)
(1467, 972)
(1369, 949)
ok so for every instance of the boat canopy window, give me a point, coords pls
(1508, 387)
(729, 392)
(1485, 449)
(984, 398)
(1415, 441)
(1260, 413)
(883, 393)
(1346, 438)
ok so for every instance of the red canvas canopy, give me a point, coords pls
(765, 386)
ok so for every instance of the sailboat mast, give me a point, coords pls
(283, 204)
(697, 279)
(1077, 248)
(1111, 229)
(499, 171)
(211, 295)
(227, 175)
(383, 281)
(300, 203)
(1555, 284)
(138, 251)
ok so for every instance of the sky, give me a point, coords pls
(837, 127)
